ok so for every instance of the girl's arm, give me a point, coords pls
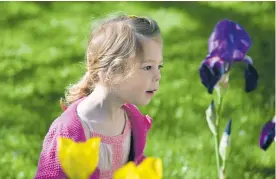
(48, 165)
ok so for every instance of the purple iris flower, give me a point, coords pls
(228, 44)
(267, 134)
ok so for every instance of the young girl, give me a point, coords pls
(124, 57)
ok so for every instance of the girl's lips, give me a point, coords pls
(150, 93)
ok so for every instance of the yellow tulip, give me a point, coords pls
(128, 171)
(150, 168)
(78, 159)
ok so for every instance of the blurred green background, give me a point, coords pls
(43, 48)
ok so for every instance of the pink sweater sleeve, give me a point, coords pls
(48, 165)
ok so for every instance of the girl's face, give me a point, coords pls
(141, 86)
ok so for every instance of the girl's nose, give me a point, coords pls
(157, 77)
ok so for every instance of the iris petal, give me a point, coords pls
(267, 135)
(229, 41)
(210, 72)
(251, 78)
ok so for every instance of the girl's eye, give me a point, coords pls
(147, 68)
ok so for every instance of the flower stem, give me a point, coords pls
(217, 154)
(223, 164)
(217, 136)
(223, 168)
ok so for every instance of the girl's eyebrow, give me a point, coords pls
(153, 61)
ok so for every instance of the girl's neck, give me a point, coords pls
(101, 104)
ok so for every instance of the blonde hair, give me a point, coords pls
(111, 49)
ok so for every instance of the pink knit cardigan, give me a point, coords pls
(69, 125)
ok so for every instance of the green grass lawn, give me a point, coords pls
(44, 46)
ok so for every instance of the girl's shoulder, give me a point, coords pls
(68, 125)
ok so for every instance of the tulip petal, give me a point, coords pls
(151, 168)
(78, 159)
(127, 171)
